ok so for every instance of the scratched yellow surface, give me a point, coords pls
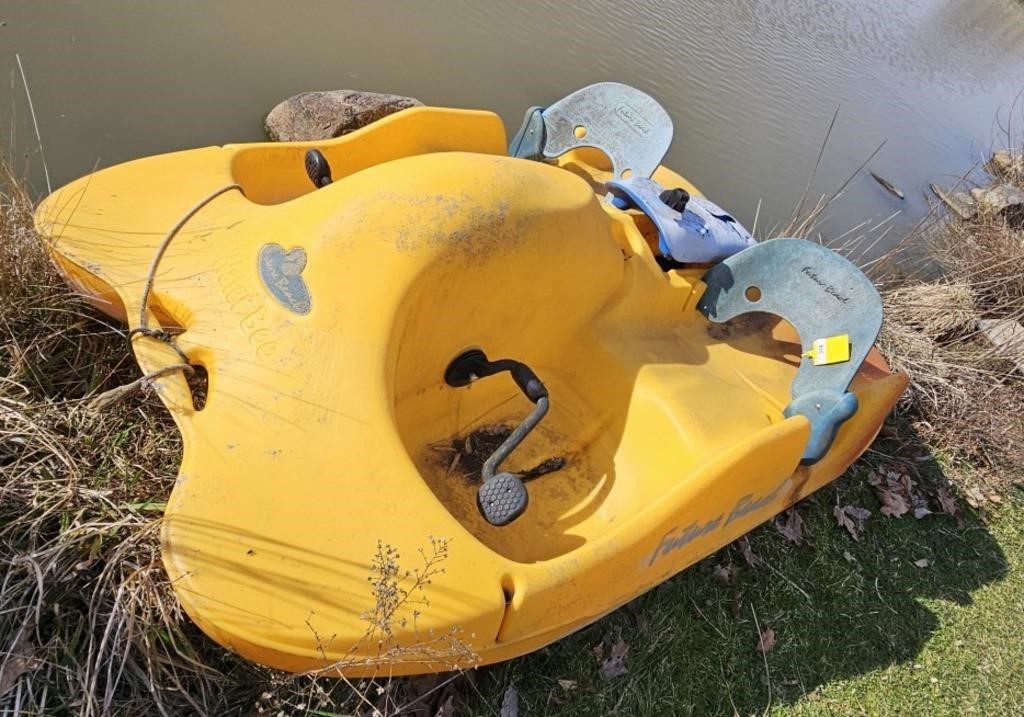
(317, 445)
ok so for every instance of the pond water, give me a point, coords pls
(751, 86)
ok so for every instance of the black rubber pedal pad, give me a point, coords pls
(502, 499)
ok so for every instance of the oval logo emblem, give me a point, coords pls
(281, 272)
(634, 120)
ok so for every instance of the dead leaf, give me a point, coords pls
(947, 501)
(726, 573)
(898, 492)
(736, 604)
(975, 498)
(856, 512)
(852, 518)
(427, 692)
(893, 504)
(922, 563)
(920, 505)
(949, 506)
(790, 524)
(19, 660)
(748, 553)
(510, 702)
(848, 557)
(766, 642)
(567, 685)
(846, 521)
(905, 481)
(615, 665)
(598, 651)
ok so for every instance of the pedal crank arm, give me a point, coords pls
(502, 497)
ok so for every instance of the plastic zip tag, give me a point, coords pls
(834, 349)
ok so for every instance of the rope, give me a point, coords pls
(116, 394)
(147, 290)
(143, 326)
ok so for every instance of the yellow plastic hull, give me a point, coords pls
(300, 530)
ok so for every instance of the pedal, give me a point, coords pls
(824, 297)
(502, 499)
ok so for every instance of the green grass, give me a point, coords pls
(860, 629)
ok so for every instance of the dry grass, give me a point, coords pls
(88, 621)
(966, 397)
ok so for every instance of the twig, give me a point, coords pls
(764, 656)
(817, 163)
(32, 111)
(882, 600)
(407, 707)
(728, 687)
(711, 624)
(779, 574)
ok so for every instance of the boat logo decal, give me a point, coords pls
(633, 119)
(248, 306)
(677, 537)
(826, 287)
(281, 272)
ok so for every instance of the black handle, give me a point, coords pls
(317, 168)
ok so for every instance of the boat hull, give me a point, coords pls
(319, 520)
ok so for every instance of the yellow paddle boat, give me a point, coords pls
(462, 400)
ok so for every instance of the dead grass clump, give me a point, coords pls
(942, 309)
(966, 395)
(87, 620)
(986, 253)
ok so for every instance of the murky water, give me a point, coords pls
(751, 86)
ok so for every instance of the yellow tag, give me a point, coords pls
(834, 349)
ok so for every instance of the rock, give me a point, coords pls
(960, 203)
(322, 115)
(1005, 163)
(998, 197)
(1004, 199)
(1007, 336)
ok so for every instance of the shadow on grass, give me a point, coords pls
(839, 608)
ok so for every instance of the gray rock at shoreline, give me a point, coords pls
(1005, 163)
(1004, 199)
(960, 203)
(323, 115)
